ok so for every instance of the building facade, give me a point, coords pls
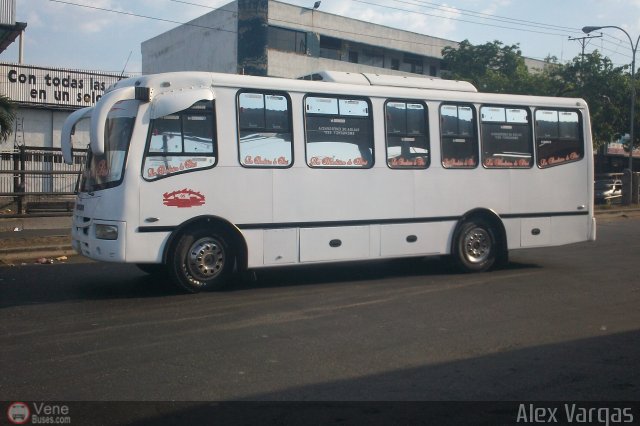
(267, 37)
(44, 97)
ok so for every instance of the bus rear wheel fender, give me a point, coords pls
(232, 234)
(201, 259)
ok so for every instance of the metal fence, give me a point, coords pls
(34, 178)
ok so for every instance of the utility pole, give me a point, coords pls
(584, 41)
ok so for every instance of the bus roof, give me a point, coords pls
(358, 84)
(369, 79)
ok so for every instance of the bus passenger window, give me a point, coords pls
(458, 137)
(265, 130)
(407, 137)
(181, 142)
(558, 137)
(339, 132)
(506, 137)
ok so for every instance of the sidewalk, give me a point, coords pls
(26, 240)
(46, 239)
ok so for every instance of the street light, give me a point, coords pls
(634, 48)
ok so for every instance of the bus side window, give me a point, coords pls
(506, 137)
(265, 137)
(166, 135)
(181, 142)
(407, 135)
(458, 137)
(558, 137)
(339, 132)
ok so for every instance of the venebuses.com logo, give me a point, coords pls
(20, 413)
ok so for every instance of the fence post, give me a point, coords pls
(19, 178)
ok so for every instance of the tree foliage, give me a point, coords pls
(497, 68)
(7, 116)
(491, 67)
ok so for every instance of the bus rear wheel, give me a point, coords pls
(201, 260)
(475, 246)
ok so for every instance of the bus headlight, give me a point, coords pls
(106, 232)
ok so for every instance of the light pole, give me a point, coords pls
(634, 48)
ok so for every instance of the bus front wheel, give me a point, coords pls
(201, 260)
(475, 246)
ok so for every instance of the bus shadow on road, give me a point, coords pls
(347, 272)
(97, 281)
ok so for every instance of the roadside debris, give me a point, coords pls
(50, 261)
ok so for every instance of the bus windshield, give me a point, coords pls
(106, 171)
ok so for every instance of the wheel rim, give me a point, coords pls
(477, 245)
(205, 259)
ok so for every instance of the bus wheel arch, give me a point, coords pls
(479, 241)
(203, 252)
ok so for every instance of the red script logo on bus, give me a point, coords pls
(183, 198)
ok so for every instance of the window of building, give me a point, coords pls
(414, 63)
(264, 121)
(459, 142)
(181, 142)
(339, 132)
(506, 137)
(558, 137)
(287, 40)
(372, 57)
(407, 135)
(395, 64)
(330, 47)
(353, 57)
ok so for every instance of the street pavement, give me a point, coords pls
(556, 324)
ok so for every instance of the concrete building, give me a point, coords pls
(267, 37)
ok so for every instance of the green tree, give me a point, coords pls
(491, 67)
(7, 116)
(494, 67)
(605, 87)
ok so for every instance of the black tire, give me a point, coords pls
(475, 246)
(155, 269)
(201, 260)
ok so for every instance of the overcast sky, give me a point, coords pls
(60, 33)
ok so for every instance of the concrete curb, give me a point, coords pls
(616, 211)
(30, 248)
(32, 255)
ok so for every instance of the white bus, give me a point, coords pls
(196, 175)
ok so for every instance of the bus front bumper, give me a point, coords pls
(100, 239)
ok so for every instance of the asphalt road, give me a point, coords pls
(557, 324)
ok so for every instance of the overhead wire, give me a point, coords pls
(487, 16)
(137, 15)
(418, 3)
